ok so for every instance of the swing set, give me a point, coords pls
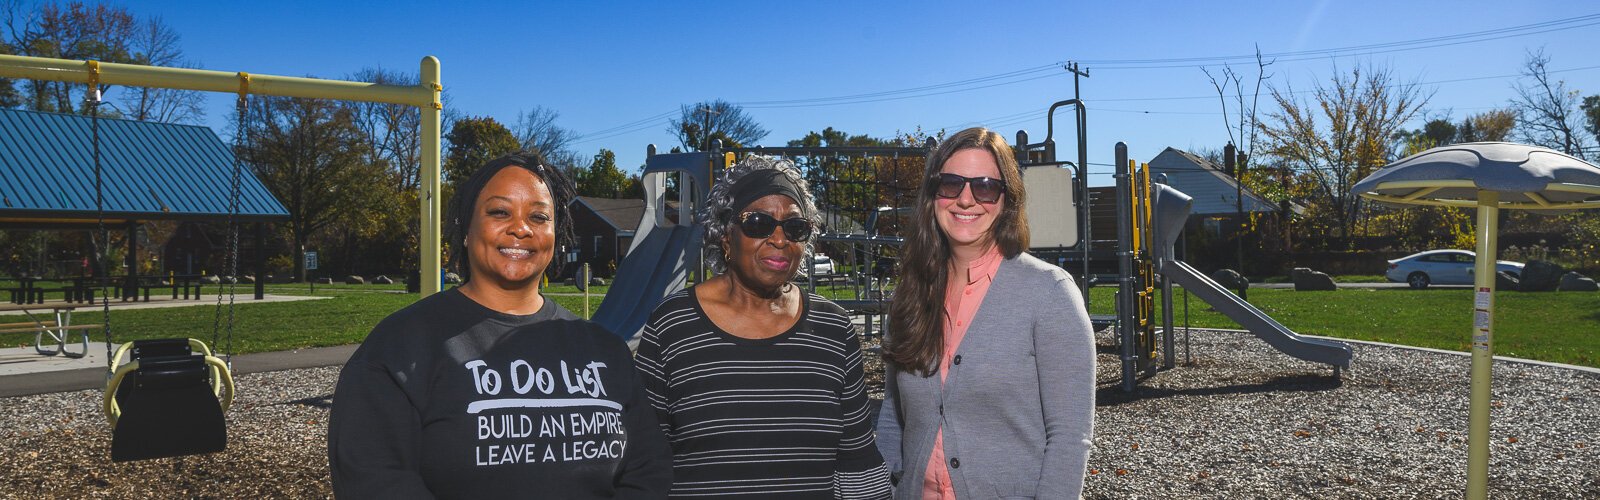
(170, 397)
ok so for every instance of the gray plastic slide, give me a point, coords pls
(652, 270)
(1257, 322)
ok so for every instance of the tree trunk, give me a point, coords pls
(299, 257)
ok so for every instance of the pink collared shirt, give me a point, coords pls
(961, 301)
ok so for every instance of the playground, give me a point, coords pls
(1202, 391)
(1242, 420)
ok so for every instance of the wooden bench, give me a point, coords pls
(43, 328)
(7, 326)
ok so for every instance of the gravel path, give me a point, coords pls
(1243, 422)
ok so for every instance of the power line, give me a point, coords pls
(1002, 78)
(1415, 44)
(889, 96)
(1376, 48)
(982, 79)
(1437, 82)
(1048, 70)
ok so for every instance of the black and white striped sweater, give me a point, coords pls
(782, 417)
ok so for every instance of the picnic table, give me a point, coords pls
(82, 290)
(58, 330)
(27, 291)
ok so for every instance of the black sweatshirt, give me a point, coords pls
(447, 398)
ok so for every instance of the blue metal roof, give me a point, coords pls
(150, 171)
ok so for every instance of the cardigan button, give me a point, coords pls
(955, 463)
(956, 360)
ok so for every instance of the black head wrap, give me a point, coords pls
(759, 183)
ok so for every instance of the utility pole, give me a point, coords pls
(1072, 67)
(1081, 197)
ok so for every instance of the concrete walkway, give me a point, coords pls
(158, 303)
(25, 372)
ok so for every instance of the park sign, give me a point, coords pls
(1488, 176)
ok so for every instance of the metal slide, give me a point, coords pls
(659, 261)
(650, 272)
(1257, 322)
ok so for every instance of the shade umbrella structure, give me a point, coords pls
(1488, 176)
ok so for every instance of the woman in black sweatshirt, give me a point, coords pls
(491, 390)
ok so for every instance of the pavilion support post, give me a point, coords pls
(130, 284)
(1482, 346)
(261, 260)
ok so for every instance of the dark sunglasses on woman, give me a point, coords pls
(984, 189)
(759, 225)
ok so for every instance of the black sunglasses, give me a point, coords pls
(984, 189)
(760, 225)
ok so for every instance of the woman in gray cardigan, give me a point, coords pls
(990, 356)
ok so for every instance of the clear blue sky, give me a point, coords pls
(607, 64)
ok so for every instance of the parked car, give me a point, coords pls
(821, 265)
(1441, 267)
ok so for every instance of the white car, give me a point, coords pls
(1441, 267)
(821, 265)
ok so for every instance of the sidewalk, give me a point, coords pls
(1356, 285)
(25, 372)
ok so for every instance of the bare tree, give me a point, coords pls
(1359, 113)
(392, 131)
(70, 31)
(536, 129)
(1548, 110)
(156, 44)
(100, 32)
(700, 124)
(9, 97)
(1243, 133)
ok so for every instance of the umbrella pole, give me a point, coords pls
(1482, 346)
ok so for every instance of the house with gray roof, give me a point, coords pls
(604, 228)
(1215, 192)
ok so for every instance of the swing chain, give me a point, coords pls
(92, 101)
(231, 259)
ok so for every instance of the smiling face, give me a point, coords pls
(764, 264)
(512, 234)
(967, 223)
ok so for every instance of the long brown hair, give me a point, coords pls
(916, 316)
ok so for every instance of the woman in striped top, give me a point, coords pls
(757, 384)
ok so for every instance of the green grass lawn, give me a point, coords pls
(1343, 278)
(1551, 326)
(1563, 327)
(344, 318)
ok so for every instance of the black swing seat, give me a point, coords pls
(168, 401)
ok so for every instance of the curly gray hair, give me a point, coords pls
(717, 215)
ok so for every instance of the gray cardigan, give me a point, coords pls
(1017, 407)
